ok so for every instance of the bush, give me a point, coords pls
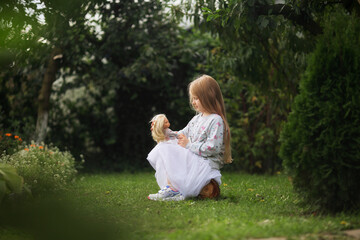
(321, 140)
(43, 168)
(9, 143)
(255, 127)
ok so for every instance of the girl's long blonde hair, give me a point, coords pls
(157, 132)
(208, 91)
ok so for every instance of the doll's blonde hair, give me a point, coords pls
(158, 131)
(208, 91)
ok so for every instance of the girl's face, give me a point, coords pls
(166, 123)
(197, 105)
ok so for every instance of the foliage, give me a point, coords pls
(10, 181)
(258, 60)
(133, 73)
(29, 31)
(9, 143)
(254, 115)
(116, 55)
(43, 167)
(320, 142)
(254, 138)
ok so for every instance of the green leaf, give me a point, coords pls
(264, 23)
(13, 181)
(206, 10)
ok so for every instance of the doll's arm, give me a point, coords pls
(170, 134)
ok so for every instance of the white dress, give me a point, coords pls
(190, 169)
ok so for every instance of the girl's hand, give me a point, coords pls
(182, 140)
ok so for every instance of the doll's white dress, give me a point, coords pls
(190, 169)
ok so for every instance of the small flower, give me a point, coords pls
(250, 189)
(16, 137)
(107, 192)
(343, 223)
(32, 145)
(225, 184)
(41, 147)
(8, 134)
(20, 139)
(26, 149)
(278, 172)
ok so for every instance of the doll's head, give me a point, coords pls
(159, 124)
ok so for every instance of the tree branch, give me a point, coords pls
(287, 12)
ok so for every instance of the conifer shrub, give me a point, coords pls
(320, 143)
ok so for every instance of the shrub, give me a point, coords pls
(255, 128)
(10, 181)
(44, 168)
(321, 140)
(9, 143)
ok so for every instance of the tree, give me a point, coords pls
(321, 138)
(18, 23)
(37, 36)
(140, 65)
(263, 52)
(67, 33)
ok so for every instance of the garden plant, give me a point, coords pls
(320, 141)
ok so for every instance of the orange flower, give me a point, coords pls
(20, 139)
(16, 137)
(41, 147)
(8, 134)
(32, 145)
(26, 149)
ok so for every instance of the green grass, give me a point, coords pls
(250, 206)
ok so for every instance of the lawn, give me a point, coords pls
(250, 206)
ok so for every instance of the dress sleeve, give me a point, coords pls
(213, 143)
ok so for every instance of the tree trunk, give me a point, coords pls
(44, 95)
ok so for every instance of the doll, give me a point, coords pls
(160, 130)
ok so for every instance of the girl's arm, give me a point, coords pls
(213, 144)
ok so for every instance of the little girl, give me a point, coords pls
(185, 166)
